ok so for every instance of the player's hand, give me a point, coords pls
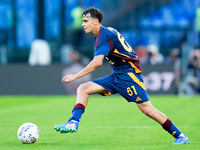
(69, 78)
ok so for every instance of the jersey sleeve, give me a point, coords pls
(103, 47)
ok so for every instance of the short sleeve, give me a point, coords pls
(102, 49)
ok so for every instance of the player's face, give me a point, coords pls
(89, 23)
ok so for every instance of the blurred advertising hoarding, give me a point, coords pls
(46, 80)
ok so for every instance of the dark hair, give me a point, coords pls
(94, 13)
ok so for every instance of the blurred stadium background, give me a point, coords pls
(41, 40)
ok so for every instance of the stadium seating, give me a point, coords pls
(167, 24)
(142, 22)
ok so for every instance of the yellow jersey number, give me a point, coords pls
(131, 90)
(124, 43)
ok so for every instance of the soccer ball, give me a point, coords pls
(28, 133)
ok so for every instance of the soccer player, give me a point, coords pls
(126, 78)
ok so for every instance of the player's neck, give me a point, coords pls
(98, 28)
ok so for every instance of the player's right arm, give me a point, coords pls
(92, 66)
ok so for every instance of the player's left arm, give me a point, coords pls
(92, 66)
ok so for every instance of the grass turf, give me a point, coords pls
(108, 123)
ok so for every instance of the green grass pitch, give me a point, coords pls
(108, 123)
